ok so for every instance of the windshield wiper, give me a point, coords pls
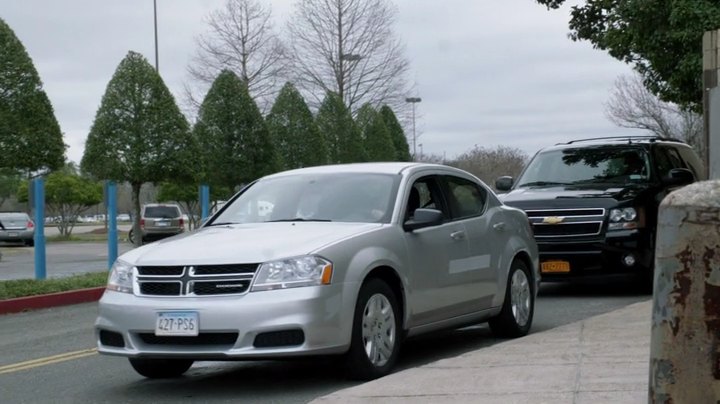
(299, 219)
(222, 224)
(541, 184)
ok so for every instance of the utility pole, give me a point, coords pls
(413, 101)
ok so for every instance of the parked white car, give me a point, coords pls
(348, 260)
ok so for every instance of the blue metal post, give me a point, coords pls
(112, 223)
(38, 185)
(204, 201)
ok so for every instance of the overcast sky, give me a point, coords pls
(489, 72)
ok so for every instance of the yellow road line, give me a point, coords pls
(49, 360)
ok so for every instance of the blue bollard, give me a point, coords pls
(38, 185)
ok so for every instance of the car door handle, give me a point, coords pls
(458, 235)
(499, 226)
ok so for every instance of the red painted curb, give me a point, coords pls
(50, 300)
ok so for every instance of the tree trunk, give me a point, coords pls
(136, 212)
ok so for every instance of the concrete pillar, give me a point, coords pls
(711, 102)
(685, 334)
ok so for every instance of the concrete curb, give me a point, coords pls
(50, 300)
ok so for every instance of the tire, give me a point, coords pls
(131, 236)
(515, 318)
(160, 368)
(376, 335)
(30, 242)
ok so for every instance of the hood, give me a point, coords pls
(572, 196)
(244, 243)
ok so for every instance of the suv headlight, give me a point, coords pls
(293, 272)
(623, 219)
(121, 277)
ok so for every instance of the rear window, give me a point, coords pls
(14, 216)
(162, 212)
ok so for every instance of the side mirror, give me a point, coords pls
(423, 218)
(679, 176)
(504, 183)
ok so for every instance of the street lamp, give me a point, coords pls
(157, 63)
(350, 57)
(413, 101)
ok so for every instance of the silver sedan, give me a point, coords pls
(346, 260)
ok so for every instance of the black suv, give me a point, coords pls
(593, 203)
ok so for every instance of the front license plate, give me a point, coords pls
(183, 323)
(555, 266)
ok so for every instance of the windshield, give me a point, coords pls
(346, 197)
(613, 165)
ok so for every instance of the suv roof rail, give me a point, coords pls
(628, 138)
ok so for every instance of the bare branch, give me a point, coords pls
(348, 47)
(240, 38)
(631, 105)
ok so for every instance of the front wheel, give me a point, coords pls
(160, 368)
(516, 315)
(376, 332)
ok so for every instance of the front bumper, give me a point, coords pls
(322, 314)
(598, 257)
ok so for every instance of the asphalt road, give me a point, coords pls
(82, 376)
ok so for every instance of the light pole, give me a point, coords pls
(157, 63)
(413, 101)
(350, 57)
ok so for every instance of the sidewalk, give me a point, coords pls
(603, 359)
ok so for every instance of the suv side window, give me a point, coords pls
(692, 161)
(467, 199)
(665, 160)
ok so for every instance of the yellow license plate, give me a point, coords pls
(555, 266)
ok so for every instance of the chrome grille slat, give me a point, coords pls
(563, 223)
(194, 280)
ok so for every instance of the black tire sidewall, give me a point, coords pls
(358, 364)
(505, 324)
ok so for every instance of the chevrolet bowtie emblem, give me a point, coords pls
(553, 219)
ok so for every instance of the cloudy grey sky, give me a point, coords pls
(489, 72)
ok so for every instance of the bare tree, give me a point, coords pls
(489, 164)
(240, 39)
(631, 105)
(348, 47)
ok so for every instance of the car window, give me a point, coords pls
(162, 212)
(466, 198)
(425, 193)
(333, 197)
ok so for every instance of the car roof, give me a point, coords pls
(373, 168)
(639, 141)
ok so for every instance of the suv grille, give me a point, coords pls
(195, 280)
(566, 222)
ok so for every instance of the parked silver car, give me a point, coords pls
(346, 260)
(17, 227)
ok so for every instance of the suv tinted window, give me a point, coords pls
(692, 161)
(607, 164)
(162, 212)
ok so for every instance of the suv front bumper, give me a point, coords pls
(596, 257)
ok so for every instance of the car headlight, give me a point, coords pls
(121, 277)
(623, 219)
(293, 272)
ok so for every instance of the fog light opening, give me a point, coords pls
(628, 260)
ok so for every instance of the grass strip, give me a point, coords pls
(31, 287)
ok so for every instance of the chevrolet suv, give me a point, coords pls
(593, 203)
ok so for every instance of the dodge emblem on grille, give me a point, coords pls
(553, 219)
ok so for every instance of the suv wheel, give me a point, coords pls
(516, 315)
(376, 332)
(160, 368)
